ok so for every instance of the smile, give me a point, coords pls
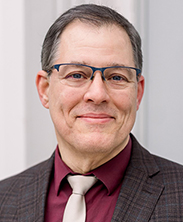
(96, 118)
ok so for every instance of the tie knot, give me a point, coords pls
(81, 184)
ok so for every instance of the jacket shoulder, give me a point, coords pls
(162, 188)
(171, 171)
(28, 174)
(152, 163)
(11, 187)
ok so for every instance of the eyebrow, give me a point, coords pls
(108, 65)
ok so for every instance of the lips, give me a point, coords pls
(96, 118)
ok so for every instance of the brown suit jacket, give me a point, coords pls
(152, 190)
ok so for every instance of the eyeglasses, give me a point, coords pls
(77, 75)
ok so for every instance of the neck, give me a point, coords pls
(83, 162)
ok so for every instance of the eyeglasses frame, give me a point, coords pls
(94, 69)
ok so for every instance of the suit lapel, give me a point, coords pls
(141, 189)
(32, 195)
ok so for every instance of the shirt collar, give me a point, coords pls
(115, 169)
(61, 170)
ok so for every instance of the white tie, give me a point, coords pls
(75, 210)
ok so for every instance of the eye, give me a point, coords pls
(118, 78)
(76, 76)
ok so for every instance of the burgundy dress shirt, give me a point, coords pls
(100, 199)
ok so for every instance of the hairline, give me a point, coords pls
(92, 23)
(91, 14)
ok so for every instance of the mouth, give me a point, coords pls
(94, 118)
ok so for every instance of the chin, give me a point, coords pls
(95, 143)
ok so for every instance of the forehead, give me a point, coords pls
(88, 41)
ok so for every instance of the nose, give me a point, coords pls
(97, 91)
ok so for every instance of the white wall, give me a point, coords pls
(26, 131)
(12, 88)
(165, 79)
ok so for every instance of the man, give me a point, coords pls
(91, 83)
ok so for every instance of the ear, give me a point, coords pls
(140, 90)
(42, 84)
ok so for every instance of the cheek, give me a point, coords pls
(70, 98)
(62, 101)
(126, 102)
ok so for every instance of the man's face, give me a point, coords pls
(95, 119)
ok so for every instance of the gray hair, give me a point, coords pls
(93, 14)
